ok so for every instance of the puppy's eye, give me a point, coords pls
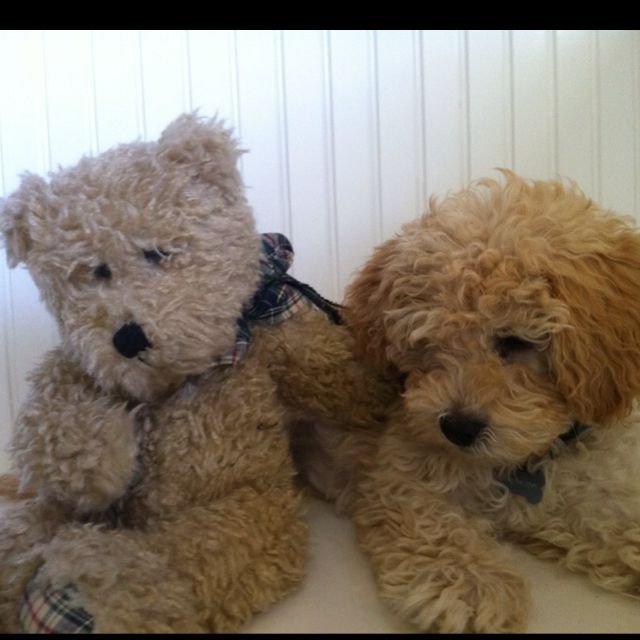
(507, 346)
(102, 272)
(155, 256)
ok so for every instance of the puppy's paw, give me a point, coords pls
(472, 598)
(629, 551)
(617, 566)
(612, 560)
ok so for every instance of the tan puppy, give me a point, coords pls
(510, 309)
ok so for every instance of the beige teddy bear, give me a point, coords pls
(155, 437)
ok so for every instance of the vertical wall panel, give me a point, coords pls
(489, 102)
(635, 132)
(165, 78)
(26, 132)
(401, 173)
(71, 123)
(260, 108)
(211, 73)
(445, 117)
(348, 131)
(358, 207)
(308, 153)
(533, 104)
(117, 85)
(7, 410)
(23, 103)
(617, 118)
(575, 101)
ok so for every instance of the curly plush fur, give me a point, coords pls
(162, 487)
(508, 311)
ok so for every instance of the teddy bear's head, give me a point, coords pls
(145, 255)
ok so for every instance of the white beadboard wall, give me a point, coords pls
(348, 131)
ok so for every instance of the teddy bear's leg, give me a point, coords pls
(24, 525)
(269, 575)
(437, 567)
(246, 551)
(99, 580)
(206, 569)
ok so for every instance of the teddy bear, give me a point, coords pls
(154, 449)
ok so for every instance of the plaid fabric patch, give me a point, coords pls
(278, 297)
(51, 611)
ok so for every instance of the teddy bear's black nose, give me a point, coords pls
(461, 429)
(130, 340)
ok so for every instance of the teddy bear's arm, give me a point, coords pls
(313, 363)
(73, 443)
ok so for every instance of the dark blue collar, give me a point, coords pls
(530, 484)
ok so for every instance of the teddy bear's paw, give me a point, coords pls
(82, 455)
(455, 599)
(14, 574)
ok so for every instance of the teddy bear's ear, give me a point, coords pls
(206, 148)
(15, 215)
(596, 360)
(366, 299)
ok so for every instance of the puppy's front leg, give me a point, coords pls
(436, 567)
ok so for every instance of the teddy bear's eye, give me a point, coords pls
(155, 256)
(507, 346)
(102, 272)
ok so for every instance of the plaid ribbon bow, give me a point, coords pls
(279, 295)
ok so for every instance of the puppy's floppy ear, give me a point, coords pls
(205, 147)
(16, 213)
(596, 361)
(366, 299)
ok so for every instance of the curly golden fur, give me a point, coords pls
(162, 486)
(508, 312)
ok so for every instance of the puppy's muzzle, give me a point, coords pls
(129, 340)
(460, 428)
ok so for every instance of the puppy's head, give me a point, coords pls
(509, 307)
(144, 254)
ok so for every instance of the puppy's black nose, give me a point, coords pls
(130, 340)
(461, 429)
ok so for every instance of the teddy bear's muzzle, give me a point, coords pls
(130, 340)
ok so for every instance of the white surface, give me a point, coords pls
(338, 594)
